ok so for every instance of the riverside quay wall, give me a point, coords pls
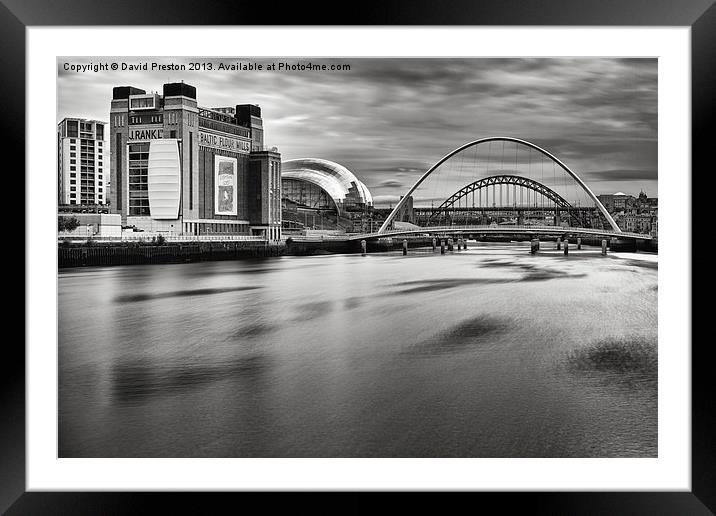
(136, 254)
(129, 253)
(147, 252)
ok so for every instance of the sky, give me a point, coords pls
(389, 120)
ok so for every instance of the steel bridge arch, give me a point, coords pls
(504, 179)
(507, 179)
(551, 156)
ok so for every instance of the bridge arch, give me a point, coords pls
(506, 179)
(555, 159)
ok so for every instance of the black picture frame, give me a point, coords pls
(700, 15)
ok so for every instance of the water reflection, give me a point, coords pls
(465, 336)
(131, 298)
(630, 360)
(137, 381)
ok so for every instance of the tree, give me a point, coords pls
(67, 223)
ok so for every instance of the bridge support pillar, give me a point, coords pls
(442, 246)
(362, 247)
(579, 243)
(566, 246)
(534, 246)
(405, 247)
(559, 243)
(433, 245)
(604, 247)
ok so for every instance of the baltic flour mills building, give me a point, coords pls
(180, 168)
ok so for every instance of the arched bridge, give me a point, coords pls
(517, 168)
(517, 181)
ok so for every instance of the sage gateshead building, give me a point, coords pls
(182, 169)
(324, 187)
(322, 184)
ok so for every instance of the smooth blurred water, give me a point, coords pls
(488, 352)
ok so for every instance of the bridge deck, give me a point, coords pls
(504, 230)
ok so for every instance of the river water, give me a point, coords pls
(488, 352)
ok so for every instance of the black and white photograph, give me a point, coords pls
(357, 257)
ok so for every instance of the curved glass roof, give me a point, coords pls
(335, 179)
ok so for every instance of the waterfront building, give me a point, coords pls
(81, 170)
(633, 214)
(314, 187)
(180, 168)
(646, 203)
(638, 222)
(618, 201)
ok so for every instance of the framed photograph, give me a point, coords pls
(418, 252)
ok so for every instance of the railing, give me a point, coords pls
(147, 237)
(317, 238)
(506, 229)
(193, 238)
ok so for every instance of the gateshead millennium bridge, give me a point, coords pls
(527, 189)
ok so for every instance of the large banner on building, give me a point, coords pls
(224, 143)
(225, 185)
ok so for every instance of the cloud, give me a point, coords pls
(621, 175)
(388, 120)
(390, 183)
